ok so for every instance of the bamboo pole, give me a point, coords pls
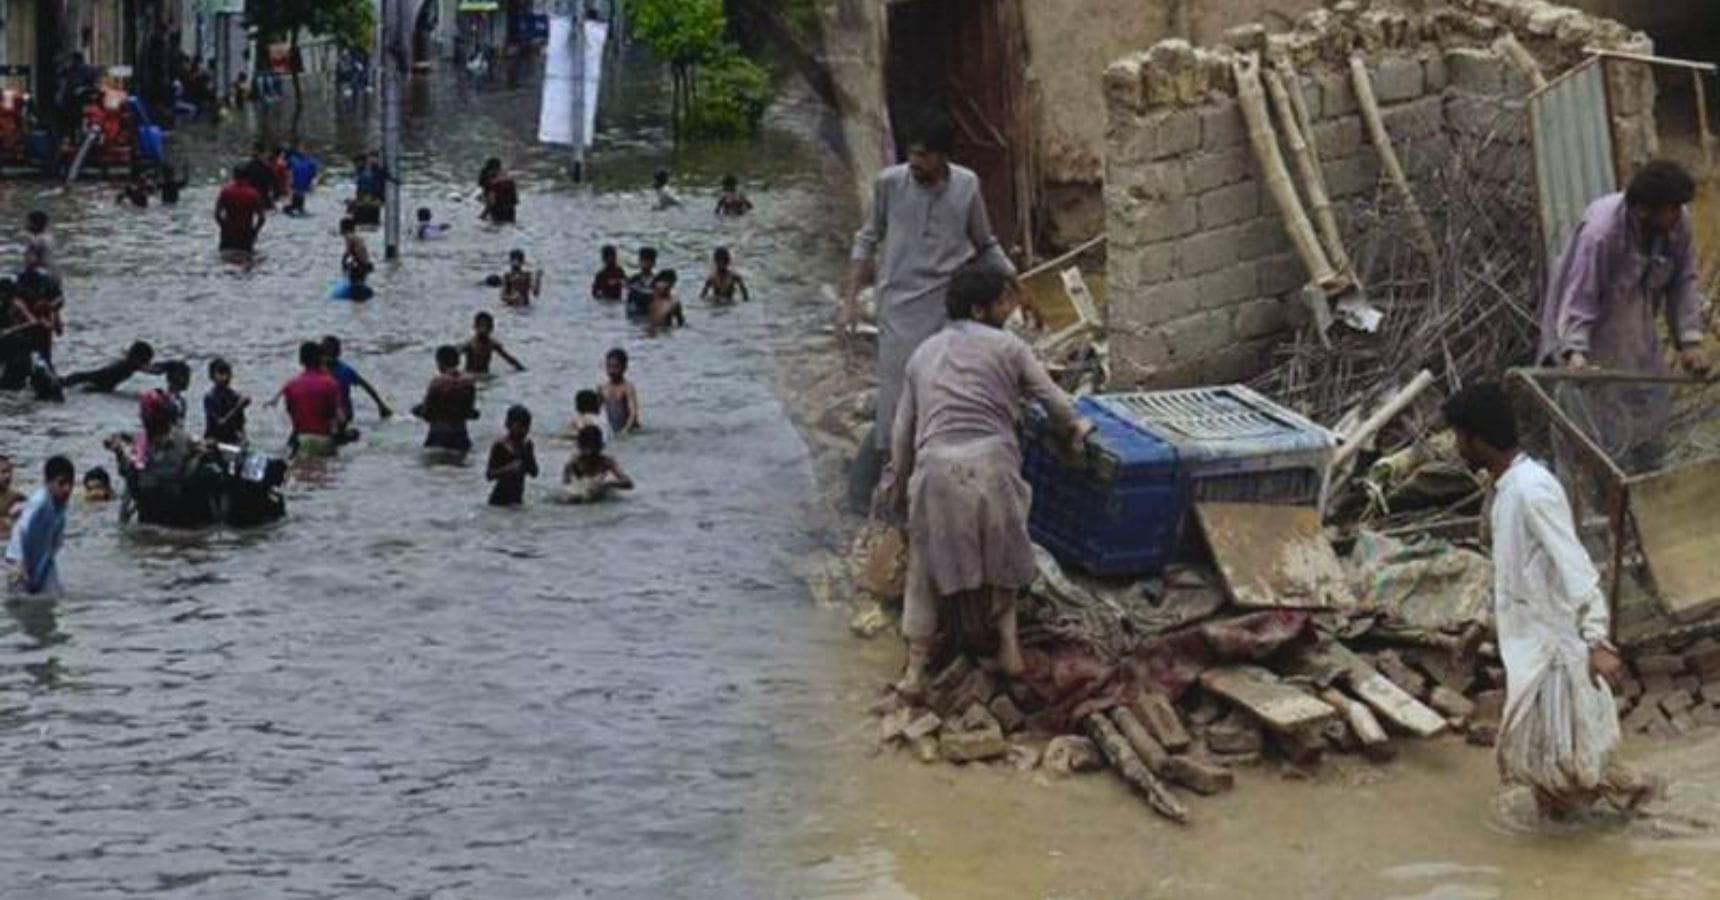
(1512, 49)
(1370, 104)
(1313, 181)
(1252, 98)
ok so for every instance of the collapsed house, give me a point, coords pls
(1348, 214)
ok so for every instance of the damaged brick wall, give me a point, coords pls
(1203, 278)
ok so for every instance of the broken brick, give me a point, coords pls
(1160, 716)
(1676, 702)
(1704, 663)
(1658, 664)
(1483, 734)
(1198, 775)
(1234, 734)
(1450, 703)
(1008, 715)
(923, 726)
(1399, 673)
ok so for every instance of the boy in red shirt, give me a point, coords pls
(313, 405)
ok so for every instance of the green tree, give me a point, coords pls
(351, 23)
(717, 92)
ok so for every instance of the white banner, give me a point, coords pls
(555, 117)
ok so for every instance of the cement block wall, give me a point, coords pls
(1202, 277)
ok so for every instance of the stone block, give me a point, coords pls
(1434, 72)
(1150, 222)
(1068, 754)
(1008, 715)
(1157, 181)
(1151, 264)
(1339, 138)
(1229, 205)
(1337, 95)
(1356, 176)
(1222, 126)
(923, 726)
(1217, 168)
(1171, 300)
(1228, 286)
(1175, 132)
(973, 737)
(1281, 275)
(1415, 120)
(1476, 70)
(1451, 704)
(1235, 734)
(1398, 78)
(1194, 336)
(1259, 318)
(1122, 83)
(1401, 674)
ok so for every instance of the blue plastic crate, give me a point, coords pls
(1116, 510)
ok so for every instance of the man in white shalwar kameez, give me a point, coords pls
(1560, 735)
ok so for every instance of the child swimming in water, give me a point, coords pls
(512, 460)
(483, 345)
(591, 474)
(620, 398)
(724, 282)
(518, 285)
(428, 227)
(98, 485)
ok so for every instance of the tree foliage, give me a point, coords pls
(718, 92)
(351, 23)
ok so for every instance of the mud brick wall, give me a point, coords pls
(1203, 278)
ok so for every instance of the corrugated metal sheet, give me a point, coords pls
(1574, 160)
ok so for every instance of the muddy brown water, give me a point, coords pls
(400, 693)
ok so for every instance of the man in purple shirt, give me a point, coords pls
(1630, 262)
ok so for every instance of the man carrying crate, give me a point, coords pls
(956, 468)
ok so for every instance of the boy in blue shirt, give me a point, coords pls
(348, 378)
(302, 169)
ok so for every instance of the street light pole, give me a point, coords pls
(393, 71)
(579, 43)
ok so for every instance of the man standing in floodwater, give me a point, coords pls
(928, 219)
(956, 468)
(1630, 264)
(239, 212)
(1561, 732)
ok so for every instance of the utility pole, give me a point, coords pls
(393, 58)
(579, 43)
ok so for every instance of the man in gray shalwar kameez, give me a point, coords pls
(927, 220)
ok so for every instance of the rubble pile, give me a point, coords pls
(1673, 690)
(1174, 688)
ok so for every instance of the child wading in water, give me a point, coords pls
(732, 203)
(665, 311)
(591, 474)
(482, 346)
(355, 260)
(512, 460)
(519, 286)
(450, 401)
(724, 283)
(588, 411)
(620, 397)
(611, 281)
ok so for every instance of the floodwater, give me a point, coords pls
(399, 692)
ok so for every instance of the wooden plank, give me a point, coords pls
(1281, 707)
(1275, 557)
(1378, 692)
(1675, 521)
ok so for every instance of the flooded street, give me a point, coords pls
(399, 692)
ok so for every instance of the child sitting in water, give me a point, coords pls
(591, 474)
(483, 345)
(512, 460)
(620, 398)
(98, 486)
(665, 311)
(732, 203)
(428, 227)
(724, 282)
(450, 402)
(588, 412)
(518, 285)
(666, 198)
(611, 281)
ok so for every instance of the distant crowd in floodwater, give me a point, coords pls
(171, 479)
